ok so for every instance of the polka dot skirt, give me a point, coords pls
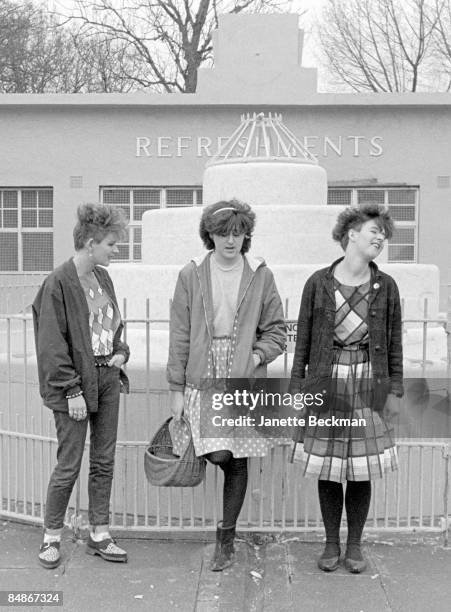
(257, 446)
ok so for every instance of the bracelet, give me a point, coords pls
(74, 395)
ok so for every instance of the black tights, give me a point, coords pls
(357, 502)
(235, 483)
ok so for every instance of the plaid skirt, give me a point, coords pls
(255, 445)
(348, 452)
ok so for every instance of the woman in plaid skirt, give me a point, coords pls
(349, 350)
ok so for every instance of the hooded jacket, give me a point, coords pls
(63, 340)
(315, 332)
(258, 327)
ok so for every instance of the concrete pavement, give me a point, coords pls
(272, 574)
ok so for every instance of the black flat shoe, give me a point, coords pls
(330, 559)
(355, 562)
(354, 566)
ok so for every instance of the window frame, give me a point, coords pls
(132, 244)
(354, 189)
(20, 229)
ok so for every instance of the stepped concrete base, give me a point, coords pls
(157, 282)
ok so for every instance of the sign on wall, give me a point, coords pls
(204, 146)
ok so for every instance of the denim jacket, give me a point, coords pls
(64, 352)
(259, 325)
(314, 345)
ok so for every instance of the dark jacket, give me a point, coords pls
(63, 341)
(259, 325)
(314, 344)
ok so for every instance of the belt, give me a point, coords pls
(353, 347)
(102, 360)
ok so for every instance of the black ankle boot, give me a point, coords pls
(224, 552)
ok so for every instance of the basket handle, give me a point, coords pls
(170, 421)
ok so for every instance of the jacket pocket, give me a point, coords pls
(124, 382)
(381, 388)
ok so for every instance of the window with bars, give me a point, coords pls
(403, 205)
(135, 201)
(26, 229)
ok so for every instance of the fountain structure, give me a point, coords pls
(265, 165)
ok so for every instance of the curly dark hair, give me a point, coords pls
(225, 217)
(354, 217)
(96, 221)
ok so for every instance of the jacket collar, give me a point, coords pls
(375, 273)
(253, 262)
(202, 267)
(376, 278)
(69, 269)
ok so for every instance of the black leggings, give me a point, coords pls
(357, 502)
(235, 483)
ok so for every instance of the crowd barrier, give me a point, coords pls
(279, 499)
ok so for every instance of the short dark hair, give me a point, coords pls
(354, 217)
(225, 217)
(96, 221)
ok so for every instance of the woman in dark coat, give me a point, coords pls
(349, 350)
(79, 354)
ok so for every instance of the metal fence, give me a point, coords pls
(17, 290)
(416, 497)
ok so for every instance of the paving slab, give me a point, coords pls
(416, 577)
(278, 574)
(271, 574)
(159, 574)
(312, 589)
(224, 591)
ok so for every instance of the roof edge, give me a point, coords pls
(143, 100)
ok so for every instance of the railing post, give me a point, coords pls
(448, 331)
(446, 456)
(285, 353)
(425, 333)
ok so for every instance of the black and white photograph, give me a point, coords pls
(225, 305)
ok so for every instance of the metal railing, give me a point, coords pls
(17, 290)
(278, 497)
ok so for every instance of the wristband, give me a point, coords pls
(74, 395)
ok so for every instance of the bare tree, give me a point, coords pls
(380, 45)
(168, 39)
(97, 64)
(443, 39)
(39, 55)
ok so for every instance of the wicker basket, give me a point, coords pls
(164, 469)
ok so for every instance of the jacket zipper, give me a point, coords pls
(203, 304)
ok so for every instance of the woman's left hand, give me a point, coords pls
(392, 407)
(116, 361)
